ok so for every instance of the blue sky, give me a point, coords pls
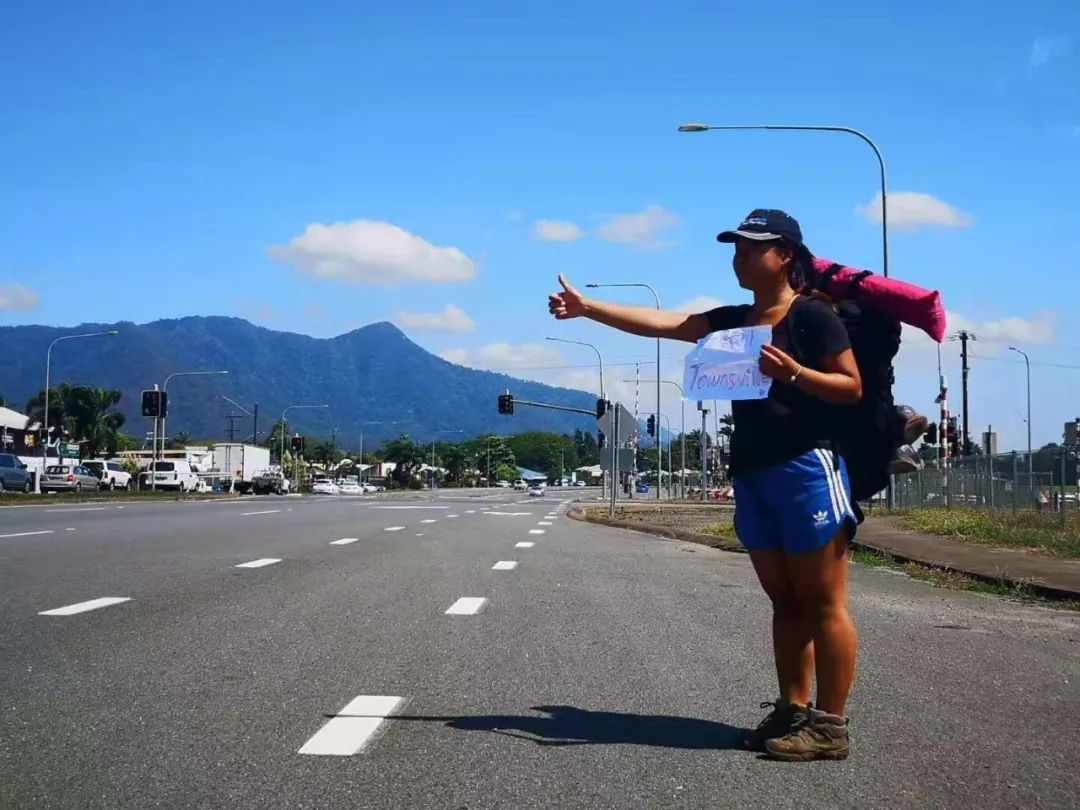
(317, 168)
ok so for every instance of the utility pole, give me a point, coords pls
(965, 437)
(704, 449)
(637, 421)
(255, 425)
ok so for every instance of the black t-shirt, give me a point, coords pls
(789, 422)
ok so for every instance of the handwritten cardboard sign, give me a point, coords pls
(724, 365)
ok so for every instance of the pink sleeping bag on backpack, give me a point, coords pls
(905, 302)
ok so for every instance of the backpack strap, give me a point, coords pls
(827, 275)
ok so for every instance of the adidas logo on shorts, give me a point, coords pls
(821, 518)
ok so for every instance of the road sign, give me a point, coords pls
(628, 428)
(626, 459)
(66, 450)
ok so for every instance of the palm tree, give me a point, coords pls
(61, 402)
(94, 423)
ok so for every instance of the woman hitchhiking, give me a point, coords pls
(792, 496)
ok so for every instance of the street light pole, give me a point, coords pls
(600, 360)
(45, 418)
(1027, 364)
(283, 424)
(362, 424)
(164, 388)
(432, 481)
(682, 394)
(660, 451)
(657, 299)
(829, 128)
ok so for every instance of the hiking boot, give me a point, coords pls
(818, 735)
(777, 723)
(915, 424)
(906, 461)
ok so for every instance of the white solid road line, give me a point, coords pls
(504, 565)
(524, 544)
(266, 512)
(26, 534)
(536, 531)
(69, 510)
(466, 606)
(408, 507)
(82, 607)
(259, 563)
(344, 541)
(347, 732)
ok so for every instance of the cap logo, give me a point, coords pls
(754, 221)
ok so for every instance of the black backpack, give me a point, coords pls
(868, 433)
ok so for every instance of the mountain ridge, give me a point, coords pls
(373, 374)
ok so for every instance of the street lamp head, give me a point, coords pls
(592, 286)
(693, 128)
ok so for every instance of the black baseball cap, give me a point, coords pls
(763, 225)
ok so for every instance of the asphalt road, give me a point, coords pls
(607, 669)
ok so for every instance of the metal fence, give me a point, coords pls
(993, 482)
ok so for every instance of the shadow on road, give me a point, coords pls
(568, 725)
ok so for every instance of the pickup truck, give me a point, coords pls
(266, 482)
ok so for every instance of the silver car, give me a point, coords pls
(59, 478)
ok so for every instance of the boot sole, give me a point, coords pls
(807, 756)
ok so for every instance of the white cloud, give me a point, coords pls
(911, 210)
(553, 230)
(702, 303)
(16, 298)
(451, 319)
(1044, 49)
(1012, 331)
(640, 229)
(505, 356)
(375, 253)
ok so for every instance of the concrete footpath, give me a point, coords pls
(1049, 576)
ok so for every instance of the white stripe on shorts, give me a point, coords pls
(826, 464)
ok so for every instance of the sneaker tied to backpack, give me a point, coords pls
(782, 719)
(915, 424)
(906, 461)
(818, 735)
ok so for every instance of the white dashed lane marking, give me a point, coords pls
(429, 520)
(504, 565)
(451, 516)
(266, 512)
(524, 544)
(70, 510)
(26, 534)
(536, 531)
(344, 541)
(544, 523)
(393, 528)
(83, 607)
(260, 563)
(346, 733)
(466, 606)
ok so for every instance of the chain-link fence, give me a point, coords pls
(1004, 481)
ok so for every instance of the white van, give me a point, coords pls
(179, 475)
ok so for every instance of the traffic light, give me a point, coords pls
(650, 425)
(506, 404)
(297, 444)
(601, 407)
(931, 437)
(154, 403)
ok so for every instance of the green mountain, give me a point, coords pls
(373, 374)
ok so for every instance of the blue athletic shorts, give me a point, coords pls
(797, 506)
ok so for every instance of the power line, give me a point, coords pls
(1020, 363)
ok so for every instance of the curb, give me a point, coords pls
(1039, 589)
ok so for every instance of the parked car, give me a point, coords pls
(178, 475)
(111, 474)
(579, 483)
(369, 487)
(502, 484)
(325, 487)
(351, 488)
(64, 478)
(520, 485)
(13, 474)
